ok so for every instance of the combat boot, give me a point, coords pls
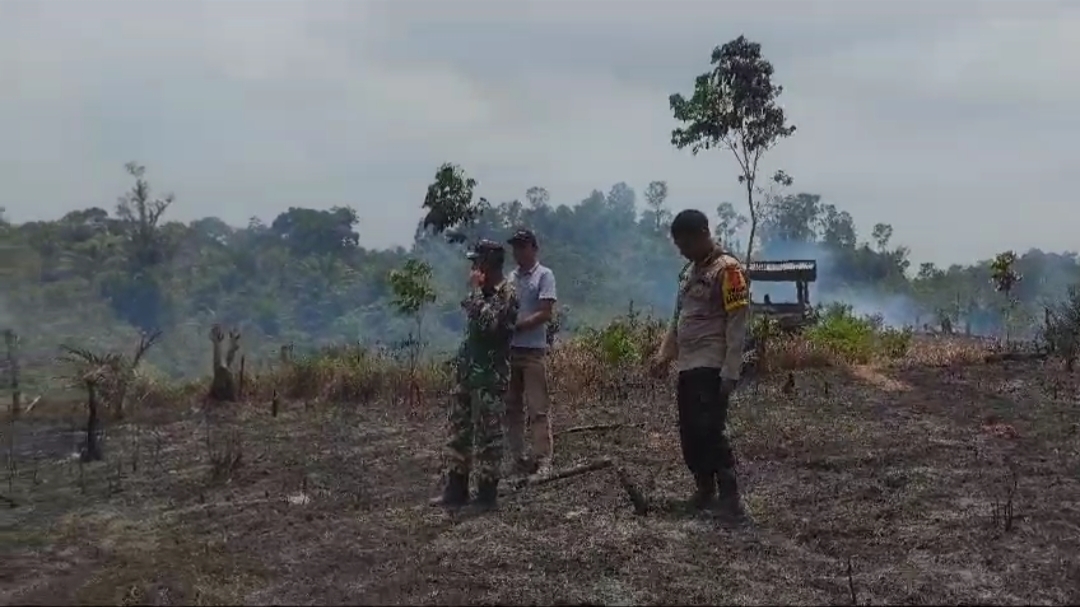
(487, 494)
(704, 496)
(523, 466)
(731, 505)
(456, 491)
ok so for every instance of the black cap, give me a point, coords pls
(523, 236)
(485, 248)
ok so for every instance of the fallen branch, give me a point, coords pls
(597, 428)
(534, 480)
(31, 405)
(637, 497)
(1015, 356)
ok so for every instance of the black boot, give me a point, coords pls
(487, 494)
(730, 501)
(456, 491)
(705, 494)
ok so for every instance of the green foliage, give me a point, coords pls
(1061, 331)
(412, 287)
(97, 278)
(1002, 272)
(734, 106)
(449, 201)
(1004, 277)
(857, 339)
(627, 340)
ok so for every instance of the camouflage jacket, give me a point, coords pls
(484, 355)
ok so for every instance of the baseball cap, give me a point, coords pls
(484, 248)
(523, 236)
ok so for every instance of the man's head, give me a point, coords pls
(525, 247)
(487, 256)
(690, 231)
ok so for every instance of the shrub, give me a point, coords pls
(856, 339)
(1061, 330)
(603, 363)
(626, 340)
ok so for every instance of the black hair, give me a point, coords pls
(690, 222)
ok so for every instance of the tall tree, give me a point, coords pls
(837, 228)
(729, 223)
(450, 204)
(140, 215)
(734, 106)
(1004, 276)
(537, 196)
(882, 234)
(655, 198)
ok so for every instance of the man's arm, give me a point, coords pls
(669, 345)
(547, 303)
(735, 294)
(492, 313)
(669, 348)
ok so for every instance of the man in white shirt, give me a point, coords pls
(534, 285)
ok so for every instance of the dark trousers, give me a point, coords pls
(702, 423)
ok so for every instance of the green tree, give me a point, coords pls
(1004, 276)
(537, 196)
(413, 292)
(734, 107)
(729, 223)
(449, 202)
(655, 199)
(882, 234)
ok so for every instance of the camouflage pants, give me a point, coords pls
(476, 418)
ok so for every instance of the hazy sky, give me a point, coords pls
(954, 121)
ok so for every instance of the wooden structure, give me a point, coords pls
(802, 272)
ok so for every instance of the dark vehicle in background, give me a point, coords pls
(784, 316)
(789, 316)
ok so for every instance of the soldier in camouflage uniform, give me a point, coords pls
(483, 368)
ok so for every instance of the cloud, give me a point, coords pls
(951, 120)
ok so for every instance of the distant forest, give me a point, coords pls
(97, 276)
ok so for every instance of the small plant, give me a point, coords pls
(413, 293)
(1002, 509)
(225, 456)
(626, 340)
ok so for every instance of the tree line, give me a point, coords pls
(100, 274)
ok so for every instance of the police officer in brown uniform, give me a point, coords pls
(705, 339)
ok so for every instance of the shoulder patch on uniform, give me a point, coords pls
(733, 286)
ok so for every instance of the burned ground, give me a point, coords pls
(874, 485)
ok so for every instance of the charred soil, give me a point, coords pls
(869, 486)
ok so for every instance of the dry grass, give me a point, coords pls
(932, 478)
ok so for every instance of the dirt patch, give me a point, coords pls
(886, 482)
(876, 378)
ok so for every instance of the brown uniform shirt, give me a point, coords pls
(711, 316)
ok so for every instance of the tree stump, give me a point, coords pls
(223, 385)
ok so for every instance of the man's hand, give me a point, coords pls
(476, 279)
(727, 386)
(658, 366)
